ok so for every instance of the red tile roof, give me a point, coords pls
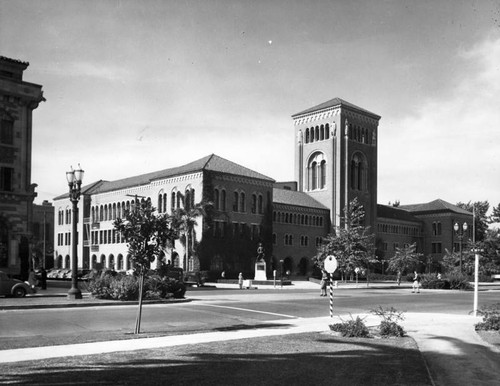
(210, 163)
(333, 103)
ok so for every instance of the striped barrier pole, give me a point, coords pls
(331, 295)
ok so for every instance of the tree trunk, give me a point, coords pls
(139, 311)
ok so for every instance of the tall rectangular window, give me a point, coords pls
(6, 176)
(6, 132)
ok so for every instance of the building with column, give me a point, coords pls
(18, 99)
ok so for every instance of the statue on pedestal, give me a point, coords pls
(260, 264)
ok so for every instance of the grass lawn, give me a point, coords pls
(296, 359)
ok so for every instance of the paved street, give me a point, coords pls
(215, 309)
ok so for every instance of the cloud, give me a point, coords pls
(449, 149)
(88, 69)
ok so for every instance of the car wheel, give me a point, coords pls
(19, 292)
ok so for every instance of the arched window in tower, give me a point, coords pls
(260, 207)
(327, 131)
(316, 172)
(322, 132)
(314, 175)
(254, 203)
(359, 175)
(307, 135)
(317, 134)
(322, 174)
(311, 138)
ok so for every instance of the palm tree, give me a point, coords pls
(184, 221)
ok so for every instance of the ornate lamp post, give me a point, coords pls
(74, 178)
(460, 235)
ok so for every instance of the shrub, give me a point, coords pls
(430, 281)
(354, 328)
(126, 287)
(458, 281)
(491, 318)
(389, 325)
(391, 329)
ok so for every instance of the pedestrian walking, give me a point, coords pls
(240, 280)
(43, 279)
(323, 283)
(416, 283)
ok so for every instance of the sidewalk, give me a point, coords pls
(452, 351)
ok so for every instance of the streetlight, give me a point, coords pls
(460, 236)
(74, 178)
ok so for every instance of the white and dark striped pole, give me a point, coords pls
(331, 295)
(330, 265)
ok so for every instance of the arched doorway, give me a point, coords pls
(303, 266)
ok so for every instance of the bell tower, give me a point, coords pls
(336, 157)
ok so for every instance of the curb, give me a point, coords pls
(90, 304)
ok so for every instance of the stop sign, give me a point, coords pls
(330, 264)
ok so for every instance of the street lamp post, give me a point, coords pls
(460, 235)
(74, 178)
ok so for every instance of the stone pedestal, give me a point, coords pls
(260, 270)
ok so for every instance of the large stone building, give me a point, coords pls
(335, 162)
(226, 239)
(18, 99)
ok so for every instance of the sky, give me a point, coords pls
(138, 86)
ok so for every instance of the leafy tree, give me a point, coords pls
(351, 243)
(405, 259)
(495, 216)
(146, 234)
(184, 221)
(481, 219)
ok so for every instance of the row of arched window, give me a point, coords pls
(399, 229)
(297, 218)
(110, 212)
(239, 201)
(178, 200)
(121, 263)
(288, 240)
(318, 133)
(64, 216)
(362, 135)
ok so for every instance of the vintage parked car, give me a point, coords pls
(13, 287)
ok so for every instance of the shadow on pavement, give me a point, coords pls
(301, 359)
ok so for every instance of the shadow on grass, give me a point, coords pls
(301, 359)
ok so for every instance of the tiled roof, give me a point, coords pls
(435, 206)
(395, 213)
(16, 61)
(332, 103)
(292, 197)
(209, 163)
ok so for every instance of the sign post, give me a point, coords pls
(330, 267)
